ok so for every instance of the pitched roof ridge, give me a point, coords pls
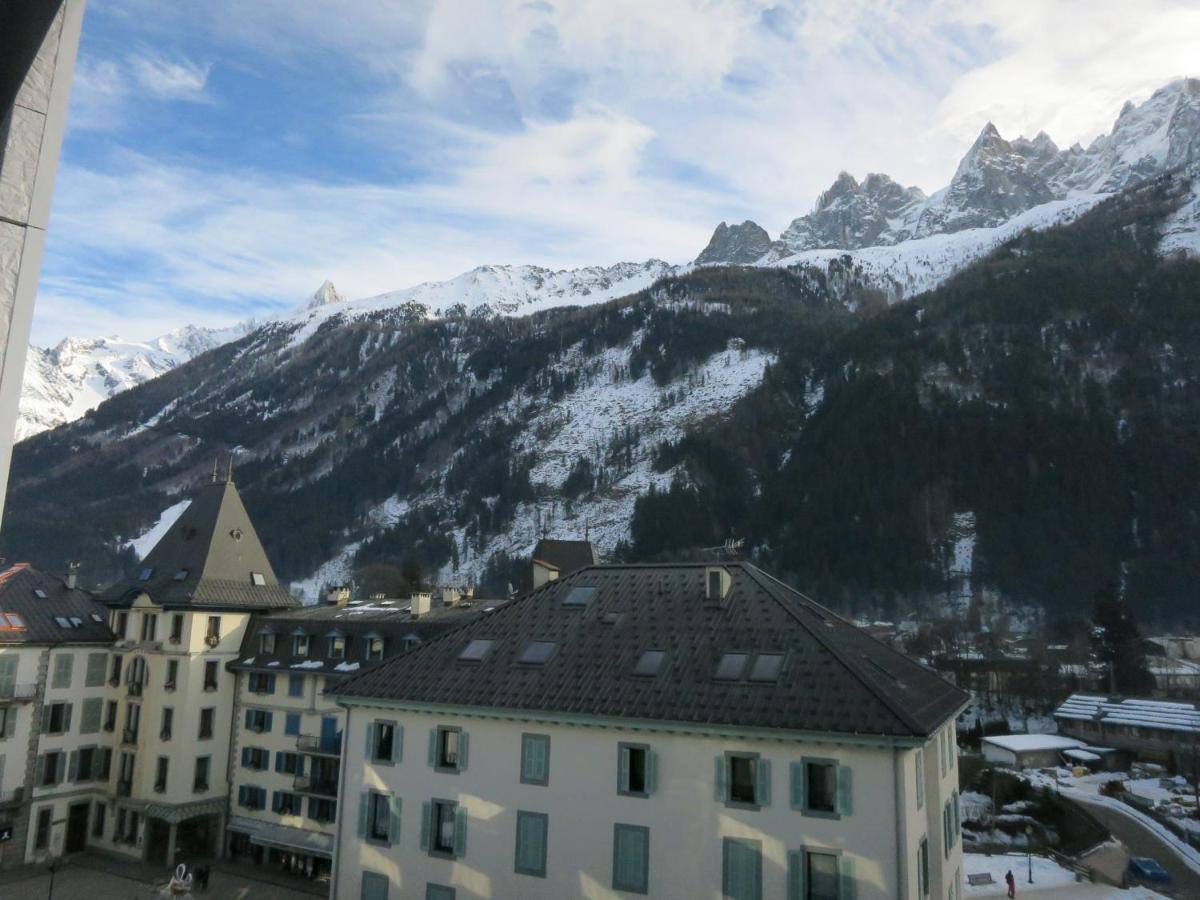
(772, 584)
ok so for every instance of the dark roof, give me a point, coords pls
(209, 559)
(388, 619)
(566, 556)
(39, 615)
(835, 677)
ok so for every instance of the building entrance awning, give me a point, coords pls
(282, 837)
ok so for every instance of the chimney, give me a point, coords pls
(338, 595)
(72, 575)
(422, 603)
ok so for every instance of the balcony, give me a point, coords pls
(129, 736)
(124, 788)
(169, 686)
(13, 796)
(160, 787)
(311, 743)
(20, 692)
(210, 686)
(176, 639)
(115, 681)
(323, 787)
(212, 639)
(135, 688)
(151, 645)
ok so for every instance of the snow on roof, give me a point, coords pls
(1159, 714)
(1082, 755)
(1025, 742)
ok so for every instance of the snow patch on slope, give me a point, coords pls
(145, 542)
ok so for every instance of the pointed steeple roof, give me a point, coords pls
(210, 558)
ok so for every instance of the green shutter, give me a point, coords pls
(531, 843)
(97, 663)
(920, 764)
(397, 742)
(795, 873)
(46, 717)
(394, 820)
(460, 831)
(364, 811)
(67, 717)
(39, 769)
(61, 773)
(89, 722)
(797, 785)
(63, 664)
(73, 769)
(849, 886)
(622, 768)
(370, 754)
(631, 849)
(433, 736)
(463, 739)
(743, 869)
(845, 791)
(719, 779)
(426, 823)
(8, 675)
(762, 788)
(106, 762)
(651, 771)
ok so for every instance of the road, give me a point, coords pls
(1143, 841)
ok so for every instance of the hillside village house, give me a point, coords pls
(54, 755)
(671, 731)
(1159, 731)
(287, 734)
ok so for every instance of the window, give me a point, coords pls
(52, 768)
(537, 653)
(635, 770)
(89, 722)
(383, 742)
(821, 782)
(8, 721)
(266, 643)
(172, 674)
(56, 718)
(8, 675)
(146, 574)
(114, 677)
(133, 722)
(122, 625)
(439, 892)
(322, 809)
(288, 763)
(743, 779)
(443, 828)
(256, 758)
(300, 645)
(731, 666)
(337, 648)
(291, 724)
(649, 663)
(535, 759)
(258, 720)
(206, 722)
(177, 628)
(822, 876)
(476, 650)
(288, 804)
(741, 869)
(631, 859)
(374, 887)
(766, 667)
(379, 816)
(212, 633)
(149, 626)
(448, 749)
(168, 722)
(41, 838)
(63, 664)
(85, 765)
(252, 797)
(532, 829)
(210, 675)
(258, 579)
(262, 683)
(374, 649)
(579, 596)
(98, 820)
(923, 868)
(821, 787)
(110, 716)
(97, 664)
(160, 775)
(182, 575)
(200, 781)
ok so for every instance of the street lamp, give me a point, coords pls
(53, 864)
(1029, 850)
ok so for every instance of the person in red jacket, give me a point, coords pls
(1012, 883)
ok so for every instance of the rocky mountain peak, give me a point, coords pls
(843, 186)
(736, 245)
(325, 295)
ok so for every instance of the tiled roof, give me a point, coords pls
(211, 558)
(42, 603)
(355, 622)
(835, 678)
(565, 556)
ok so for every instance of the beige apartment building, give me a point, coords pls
(676, 731)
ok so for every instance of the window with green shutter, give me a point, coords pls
(8, 676)
(741, 865)
(438, 892)
(64, 664)
(821, 876)
(89, 722)
(631, 859)
(374, 886)
(743, 780)
(97, 667)
(532, 829)
(920, 764)
(923, 868)
(637, 768)
(535, 759)
(822, 788)
(795, 875)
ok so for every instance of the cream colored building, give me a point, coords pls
(671, 731)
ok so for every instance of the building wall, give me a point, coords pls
(686, 822)
(28, 164)
(15, 749)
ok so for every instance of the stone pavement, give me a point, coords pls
(96, 876)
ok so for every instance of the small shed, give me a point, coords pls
(1028, 751)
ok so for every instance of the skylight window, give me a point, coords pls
(76, 621)
(181, 575)
(258, 579)
(39, 593)
(476, 650)
(537, 652)
(650, 663)
(11, 622)
(96, 617)
(731, 666)
(62, 622)
(611, 618)
(579, 596)
(145, 574)
(767, 667)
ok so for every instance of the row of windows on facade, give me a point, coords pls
(337, 645)
(319, 777)
(149, 627)
(819, 787)
(94, 763)
(329, 741)
(258, 579)
(62, 672)
(287, 803)
(811, 874)
(264, 683)
(57, 717)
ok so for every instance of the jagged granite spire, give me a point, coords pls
(736, 245)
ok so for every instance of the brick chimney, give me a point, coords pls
(72, 575)
(422, 603)
(338, 595)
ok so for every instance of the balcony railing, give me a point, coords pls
(129, 736)
(160, 787)
(20, 692)
(326, 746)
(13, 796)
(124, 788)
(212, 639)
(135, 688)
(324, 787)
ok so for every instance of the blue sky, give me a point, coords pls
(223, 158)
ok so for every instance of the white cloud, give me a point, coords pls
(175, 80)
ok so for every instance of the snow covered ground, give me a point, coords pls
(1049, 879)
(144, 543)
